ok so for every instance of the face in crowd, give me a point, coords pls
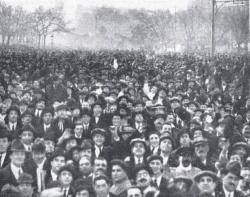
(143, 178)
(166, 146)
(85, 166)
(201, 150)
(154, 140)
(101, 188)
(13, 116)
(230, 182)
(206, 184)
(138, 149)
(17, 158)
(65, 178)
(118, 174)
(57, 163)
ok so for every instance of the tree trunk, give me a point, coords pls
(8, 40)
(238, 47)
(3, 39)
(44, 41)
(39, 41)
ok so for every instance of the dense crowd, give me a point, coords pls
(123, 124)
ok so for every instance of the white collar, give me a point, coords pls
(40, 166)
(15, 170)
(13, 124)
(53, 175)
(227, 192)
(97, 147)
(158, 180)
(3, 155)
(138, 159)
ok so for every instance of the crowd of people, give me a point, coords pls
(123, 124)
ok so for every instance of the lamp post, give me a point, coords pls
(214, 11)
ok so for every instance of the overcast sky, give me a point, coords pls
(71, 5)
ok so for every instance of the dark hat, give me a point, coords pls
(127, 129)
(86, 144)
(174, 99)
(101, 177)
(13, 108)
(25, 178)
(27, 128)
(27, 112)
(183, 114)
(23, 102)
(138, 140)
(50, 136)
(182, 132)
(17, 146)
(57, 153)
(4, 133)
(48, 110)
(240, 144)
(61, 107)
(120, 163)
(67, 168)
(98, 131)
(39, 147)
(167, 136)
(193, 103)
(200, 140)
(234, 168)
(154, 157)
(86, 111)
(82, 187)
(182, 151)
(99, 102)
(140, 167)
(184, 179)
(205, 173)
(90, 95)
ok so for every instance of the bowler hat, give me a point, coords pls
(205, 173)
(39, 147)
(186, 180)
(25, 178)
(17, 146)
(154, 157)
(233, 168)
(120, 163)
(98, 131)
(67, 168)
(138, 140)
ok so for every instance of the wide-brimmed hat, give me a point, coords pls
(138, 140)
(234, 168)
(25, 178)
(205, 173)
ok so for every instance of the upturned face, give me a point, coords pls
(206, 184)
(138, 149)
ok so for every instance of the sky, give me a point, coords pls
(70, 5)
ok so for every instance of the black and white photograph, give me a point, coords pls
(124, 98)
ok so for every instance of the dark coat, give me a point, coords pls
(7, 177)
(209, 165)
(6, 160)
(107, 153)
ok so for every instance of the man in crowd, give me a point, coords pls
(175, 115)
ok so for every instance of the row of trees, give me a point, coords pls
(163, 29)
(19, 26)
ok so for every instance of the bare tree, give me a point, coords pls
(47, 21)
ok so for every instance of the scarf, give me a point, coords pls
(118, 188)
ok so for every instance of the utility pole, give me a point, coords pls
(247, 26)
(213, 28)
